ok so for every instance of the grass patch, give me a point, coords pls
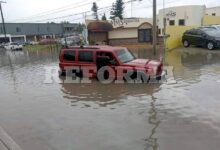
(41, 47)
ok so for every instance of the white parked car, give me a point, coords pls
(13, 46)
(71, 40)
(33, 43)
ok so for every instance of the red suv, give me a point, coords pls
(118, 61)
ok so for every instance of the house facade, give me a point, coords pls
(121, 32)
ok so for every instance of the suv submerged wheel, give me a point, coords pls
(186, 43)
(210, 45)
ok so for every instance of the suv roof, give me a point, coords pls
(96, 47)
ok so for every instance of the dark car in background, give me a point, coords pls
(205, 37)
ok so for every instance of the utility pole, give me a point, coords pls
(132, 8)
(154, 26)
(3, 20)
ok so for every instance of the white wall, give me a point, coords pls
(123, 33)
(192, 14)
(210, 11)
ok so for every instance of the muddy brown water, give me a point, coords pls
(58, 116)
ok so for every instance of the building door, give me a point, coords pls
(100, 38)
(144, 35)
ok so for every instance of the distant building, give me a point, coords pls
(213, 11)
(189, 15)
(181, 16)
(129, 31)
(35, 31)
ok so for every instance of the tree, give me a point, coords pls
(104, 17)
(65, 22)
(117, 9)
(95, 11)
(80, 27)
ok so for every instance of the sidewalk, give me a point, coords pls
(6, 142)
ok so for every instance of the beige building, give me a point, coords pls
(181, 16)
(214, 11)
(121, 32)
(131, 31)
(189, 15)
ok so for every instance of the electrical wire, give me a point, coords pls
(71, 15)
(58, 10)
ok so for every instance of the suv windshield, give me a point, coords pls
(124, 55)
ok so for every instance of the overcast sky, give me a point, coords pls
(55, 10)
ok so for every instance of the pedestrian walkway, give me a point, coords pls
(6, 142)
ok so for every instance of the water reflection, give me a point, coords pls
(105, 95)
(25, 57)
(190, 64)
(152, 141)
(135, 116)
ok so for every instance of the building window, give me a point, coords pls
(159, 31)
(181, 22)
(144, 35)
(213, 14)
(172, 23)
(18, 29)
(86, 56)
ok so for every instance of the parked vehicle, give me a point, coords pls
(71, 40)
(217, 27)
(22, 43)
(13, 46)
(33, 43)
(205, 37)
(114, 57)
(2, 45)
(47, 41)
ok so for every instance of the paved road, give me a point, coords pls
(6, 142)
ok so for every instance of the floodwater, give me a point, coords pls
(58, 116)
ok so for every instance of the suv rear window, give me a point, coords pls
(69, 55)
(86, 56)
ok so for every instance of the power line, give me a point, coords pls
(58, 10)
(71, 15)
(55, 18)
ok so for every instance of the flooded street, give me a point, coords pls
(58, 116)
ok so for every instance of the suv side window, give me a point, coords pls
(69, 55)
(108, 55)
(85, 56)
(193, 32)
